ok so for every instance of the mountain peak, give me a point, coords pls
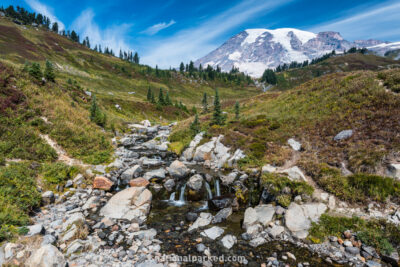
(254, 50)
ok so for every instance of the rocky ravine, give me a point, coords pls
(150, 205)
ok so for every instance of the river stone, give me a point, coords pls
(275, 231)
(103, 183)
(393, 170)
(159, 173)
(195, 182)
(48, 197)
(352, 250)
(229, 179)
(218, 203)
(203, 220)
(178, 170)
(257, 242)
(250, 217)
(265, 213)
(294, 144)
(213, 232)
(150, 162)
(345, 134)
(131, 173)
(138, 182)
(46, 256)
(169, 184)
(228, 241)
(132, 203)
(222, 215)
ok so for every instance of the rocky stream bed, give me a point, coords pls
(149, 207)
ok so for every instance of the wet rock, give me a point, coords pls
(229, 179)
(46, 256)
(191, 216)
(257, 242)
(294, 144)
(146, 234)
(178, 170)
(200, 247)
(169, 184)
(222, 215)
(262, 214)
(345, 134)
(132, 203)
(250, 217)
(159, 174)
(392, 259)
(203, 220)
(48, 198)
(36, 229)
(195, 182)
(102, 183)
(254, 230)
(275, 231)
(229, 241)
(213, 232)
(218, 203)
(138, 182)
(131, 173)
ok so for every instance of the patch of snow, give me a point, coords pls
(235, 55)
(254, 69)
(252, 36)
(386, 45)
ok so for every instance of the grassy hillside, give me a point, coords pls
(339, 63)
(313, 113)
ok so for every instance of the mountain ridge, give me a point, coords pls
(254, 50)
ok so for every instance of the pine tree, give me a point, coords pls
(149, 94)
(182, 67)
(218, 118)
(153, 100)
(195, 126)
(161, 99)
(54, 28)
(74, 37)
(237, 110)
(269, 76)
(49, 72)
(136, 58)
(96, 115)
(121, 56)
(35, 71)
(205, 104)
(167, 100)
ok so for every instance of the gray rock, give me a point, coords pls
(393, 170)
(213, 232)
(48, 197)
(345, 134)
(75, 218)
(257, 242)
(229, 179)
(265, 213)
(191, 216)
(200, 247)
(48, 239)
(294, 144)
(75, 247)
(159, 174)
(352, 250)
(371, 263)
(222, 215)
(36, 229)
(228, 241)
(188, 153)
(275, 231)
(268, 169)
(131, 173)
(295, 174)
(195, 182)
(203, 220)
(169, 184)
(178, 170)
(46, 256)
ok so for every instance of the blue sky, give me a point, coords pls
(166, 32)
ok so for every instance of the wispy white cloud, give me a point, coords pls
(46, 11)
(113, 36)
(158, 27)
(192, 43)
(379, 21)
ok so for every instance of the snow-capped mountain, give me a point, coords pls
(254, 50)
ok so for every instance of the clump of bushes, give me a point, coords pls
(382, 235)
(18, 197)
(58, 173)
(391, 80)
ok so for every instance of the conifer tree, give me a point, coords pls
(218, 118)
(195, 126)
(35, 71)
(54, 28)
(182, 67)
(153, 100)
(167, 100)
(96, 115)
(237, 110)
(161, 99)
(136, 58)
(149, 94)
(204, 102)
(49, 72)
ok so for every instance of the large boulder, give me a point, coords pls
(203, 220)
(213, 232)
(261, 214)
(222, 215)
(158, 174)
(103, 183)
(298, 218)
(178, 170)
(393, 170)
(295, 174)
(195, 182)
(221, 153)
(46, 256)
(229, 179)
(188, 153)
(238, 155)
(203, 152)
(138, 182)
(131, 204)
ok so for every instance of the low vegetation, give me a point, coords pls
(377, 233)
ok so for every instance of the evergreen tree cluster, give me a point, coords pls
(269, 76)
(96, 115)
(35, 71)
(209, 73)
(162, 100)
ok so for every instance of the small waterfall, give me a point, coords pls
(182, 195)
(217, 188)
(208, 190)
(172, 196)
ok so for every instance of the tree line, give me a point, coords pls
(22, 16)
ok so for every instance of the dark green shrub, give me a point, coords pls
(58, 173)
